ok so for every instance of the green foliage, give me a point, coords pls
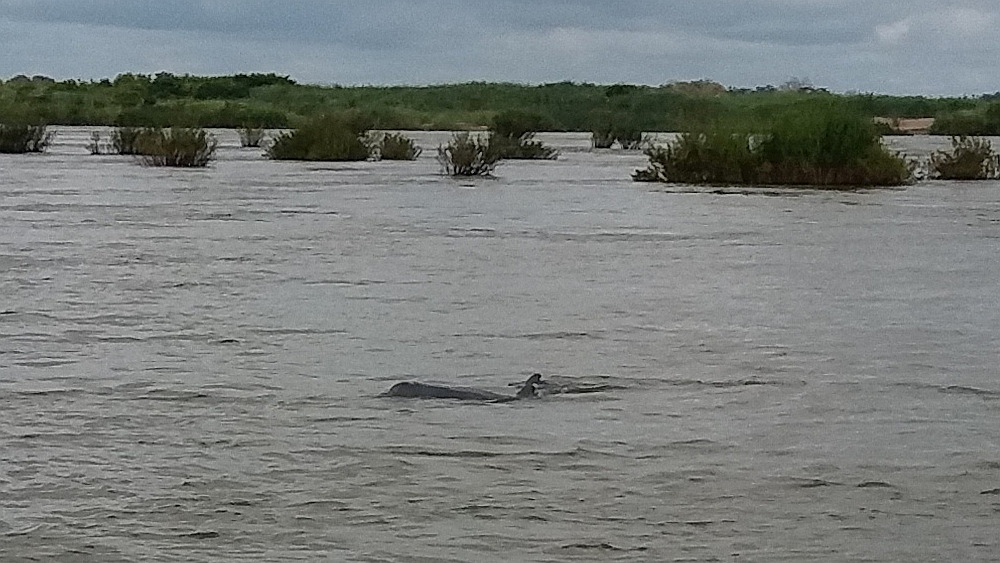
(23, 138)
(177, 146)
(823, 145)
(273, 101)
(512, 135)
(515, 124)
(394, 146)
(251, 136)
(712, 156)
(981, 120)
(466, 155)
(607, 128)
(333, 137)
(970, 158)
(524, 147)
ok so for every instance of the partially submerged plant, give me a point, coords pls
(335, 137)
(824, 146)
(23, 138)
(521, 148)
(126, 140)
(251, 136)
(176, 146)
(602, 139)
(630, 138)
(95, 146)
(970, 158)
(395, 146)
(512, 135)
(466, 155)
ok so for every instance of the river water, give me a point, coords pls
(190, 363)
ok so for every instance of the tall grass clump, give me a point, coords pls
(820, 145)
(332, 137)
(23, 138)
(466, 155)
(628, 138)
(176, 146)
(970, 158)
(251, 136)
(608, 128)
(394, 146)
(512, 135)
(126, 140)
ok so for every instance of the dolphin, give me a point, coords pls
(425, 391)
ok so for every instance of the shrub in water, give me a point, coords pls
(125, 140)
(466, 155)
(970, 158)
(177, 146)
(328, 138)
(251, 136)
(523, 147)
(95, 146)
(824, 146)
(512, 136)
(17, 139)
(608, 127)
(715, 156)
(630, 138)
(602, 139)
(394, 146)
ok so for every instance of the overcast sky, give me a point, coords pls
(930, 47)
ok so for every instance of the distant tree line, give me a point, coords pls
(275, 101)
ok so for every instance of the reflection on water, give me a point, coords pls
(192, 359)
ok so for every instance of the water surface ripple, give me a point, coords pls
(191, 362)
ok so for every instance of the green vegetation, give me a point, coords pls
(177, 146)
(332, 137)
(980, 120)
(394, 146)
(607, 129)
(970, 158)
(466, 155)
(22, 138)
(512, 135)
(273, 101)
(824, 145)
(251, 136)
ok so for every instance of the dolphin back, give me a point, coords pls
(425, 391)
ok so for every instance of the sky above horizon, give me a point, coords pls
(925, 47)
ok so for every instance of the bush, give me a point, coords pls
(709, 157)
(608, 127)
(18, 139)
(177, 146)
(466, 155)
(125, 140)
(394, 146)
(251, 136)
(970, 158)
(602, 139)
(95, 146)
(630, 138)
(523, 147)
(822, 146)
(516, 123)
(512, 135)
(337, 137)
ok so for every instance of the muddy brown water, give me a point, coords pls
(190, 363)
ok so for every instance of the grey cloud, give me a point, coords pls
(902, 45)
